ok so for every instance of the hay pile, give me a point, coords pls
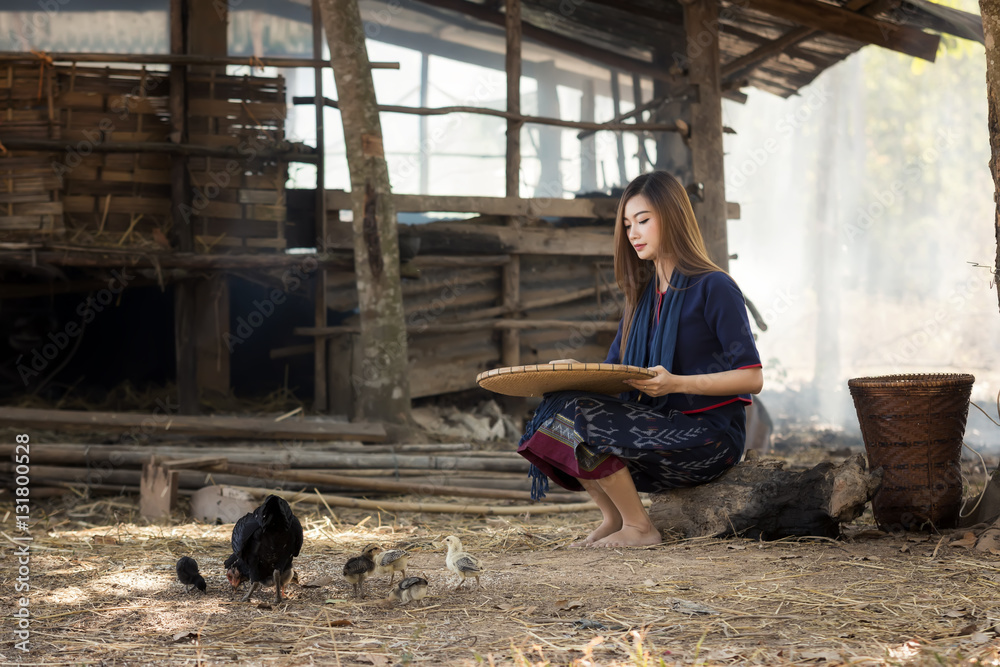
(104, 592)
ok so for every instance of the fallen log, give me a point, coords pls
(137, 425)
(760, 500)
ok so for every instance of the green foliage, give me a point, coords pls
(928, 190)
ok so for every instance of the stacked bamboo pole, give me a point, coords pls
(450, 470)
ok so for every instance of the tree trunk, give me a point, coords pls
(382, 383)
(991, 26)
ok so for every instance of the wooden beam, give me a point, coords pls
(304, 264)
(177, 59)
(501, 206)
(845, 23)
(207, 36)
(182, 149)
(384, 385)
(320, 399)
(135, 424)
(185, 293)
(475, 325)
(553, 39)
(615, 123)
(512, 27)
(706, 126)
(587, 126)
(741, 66)
(585, 207)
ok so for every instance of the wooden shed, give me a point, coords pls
(172, 167)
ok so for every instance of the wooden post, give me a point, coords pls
(510, 352)
(157, 490)
(211, 316)
(383, 381)
(588, 145)
(616, 99)
(321, 402)
(425, 162)
(549, 138)
(184, 291)
(672, 152)
(701, 25)
(640, 137)
(991, 27)
(206, 36)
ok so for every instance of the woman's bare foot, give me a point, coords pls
(631, 536)
(607, 527)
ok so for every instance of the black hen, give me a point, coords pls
(264, 544)
(236, 569)
(187, 574)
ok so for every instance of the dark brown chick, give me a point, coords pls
(357, 569)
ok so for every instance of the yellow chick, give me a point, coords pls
(411, 588)
(461, 562)
(391, 561)
(357, 569)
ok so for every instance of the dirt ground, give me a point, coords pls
(103, 591)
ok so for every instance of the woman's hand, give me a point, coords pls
(724, 383)
(664, 383)
(565, 361)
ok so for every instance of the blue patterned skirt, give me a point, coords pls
(593, 436)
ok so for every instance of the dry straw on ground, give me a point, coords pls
(104, 592)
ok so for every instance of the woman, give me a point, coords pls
(685, 320)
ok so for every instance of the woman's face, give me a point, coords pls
(642, 227)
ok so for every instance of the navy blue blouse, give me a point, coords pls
(713, 336)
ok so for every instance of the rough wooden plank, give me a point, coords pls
(214, 426)
(169, 260)
(829, 18)
(706, 127)
(157, 491)
(603, 207)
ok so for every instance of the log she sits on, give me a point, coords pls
(760, 500)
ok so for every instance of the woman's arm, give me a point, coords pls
(726, 383)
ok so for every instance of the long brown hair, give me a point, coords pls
(679, 235)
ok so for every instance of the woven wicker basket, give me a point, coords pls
(913, 427)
